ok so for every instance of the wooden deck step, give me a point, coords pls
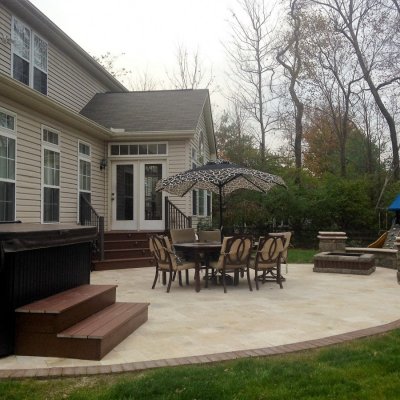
(57, 312)
(90, 339)
(138, 262)
(126, 244)
(116, 254)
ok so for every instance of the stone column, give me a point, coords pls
(397, 245)
(332, 241)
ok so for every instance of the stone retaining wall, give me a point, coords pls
(387, 258)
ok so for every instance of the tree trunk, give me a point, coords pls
(299, 106)
(378, 100)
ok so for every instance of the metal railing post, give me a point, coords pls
(175, 218)
(101, 237)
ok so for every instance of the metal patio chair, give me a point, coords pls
(267, 263)
(167, 261)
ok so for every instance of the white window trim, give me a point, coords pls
(12, 134)
(84, 157)
(87, 158)
(31, 55)
(136, 156)
(55, 148)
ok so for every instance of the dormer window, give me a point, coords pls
(29, 57)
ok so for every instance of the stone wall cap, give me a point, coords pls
(371, 250)
(332, 237)
(344, 256)
(332, 233)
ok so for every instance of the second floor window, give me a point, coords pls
(51, 176)
(29, 57)
(7, 165)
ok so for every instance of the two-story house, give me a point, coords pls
(71, 133)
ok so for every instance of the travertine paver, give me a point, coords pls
(183, 323)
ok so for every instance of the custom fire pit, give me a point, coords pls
(344, 263)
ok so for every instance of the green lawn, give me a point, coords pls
(367, 369)
(301, 256)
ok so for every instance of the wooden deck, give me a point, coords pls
(83, 322)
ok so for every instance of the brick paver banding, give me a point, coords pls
(200, 359)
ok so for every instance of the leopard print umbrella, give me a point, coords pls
(220, 176)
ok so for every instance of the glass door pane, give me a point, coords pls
(153, 199)
(124, 193)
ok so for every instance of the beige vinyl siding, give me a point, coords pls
(29, 167)
(179, 161)
(68, 83)
(201, 127)
(5, 48)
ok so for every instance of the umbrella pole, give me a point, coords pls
(220, 210)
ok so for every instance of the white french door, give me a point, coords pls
(135, 203)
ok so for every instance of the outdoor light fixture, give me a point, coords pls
(103, 163)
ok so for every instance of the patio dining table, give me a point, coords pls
(199, 248)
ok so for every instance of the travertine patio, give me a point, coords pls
(184, 323)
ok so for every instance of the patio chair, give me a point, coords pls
(284, 257)
(210, 236)
(186, 235)
(268, 259)
(235, 256)
(167, 261)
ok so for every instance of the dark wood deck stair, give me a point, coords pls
(125, 250)
(84, 322)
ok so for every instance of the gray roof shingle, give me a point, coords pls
(164, 110)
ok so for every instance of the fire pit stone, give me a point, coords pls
(344, 263)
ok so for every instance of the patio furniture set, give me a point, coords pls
(235, 255)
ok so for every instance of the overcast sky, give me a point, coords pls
(148, 32)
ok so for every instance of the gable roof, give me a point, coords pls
(153, 111)
(51, 32)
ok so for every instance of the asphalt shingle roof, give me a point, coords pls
(165, 110)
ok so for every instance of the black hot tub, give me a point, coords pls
(37, 261)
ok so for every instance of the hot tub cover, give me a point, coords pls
(21, 237)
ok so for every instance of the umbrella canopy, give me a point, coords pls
(395, 206)
(220, 176)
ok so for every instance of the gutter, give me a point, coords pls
(153, 135)
(36, 101)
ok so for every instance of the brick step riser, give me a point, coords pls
(52, 323)
(122, 264)
(126, 244)
(120, 254)
(49, 345)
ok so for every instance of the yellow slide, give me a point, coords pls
(379, 242)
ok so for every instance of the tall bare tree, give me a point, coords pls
(252, 63)
(290, 57)
(333, 71)
(370, 122)
(190, 72)
(371, 27)
(142, 82)
(396, 4)
(108, 61)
